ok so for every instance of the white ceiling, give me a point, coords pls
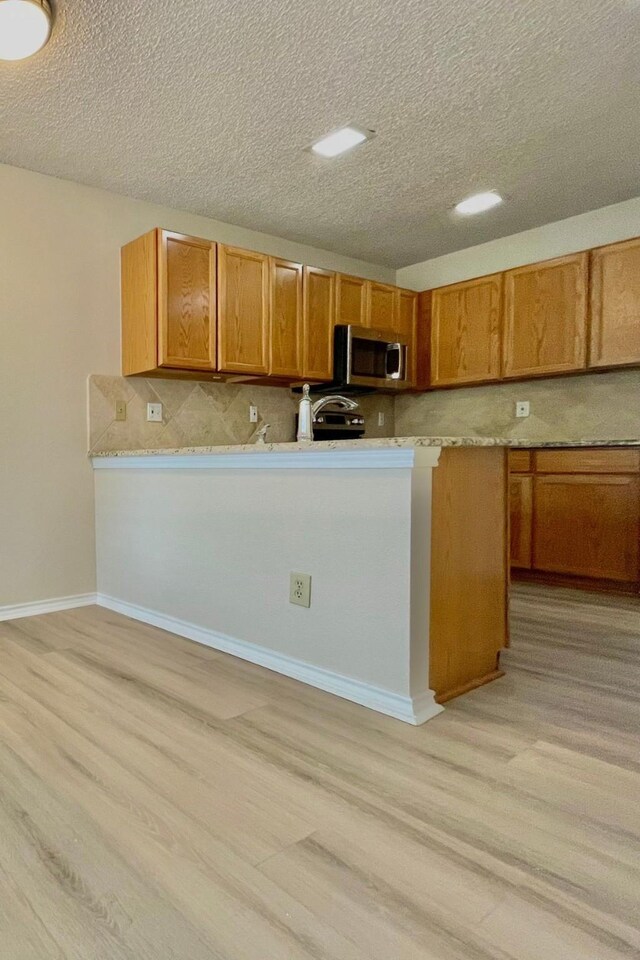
(208, 105)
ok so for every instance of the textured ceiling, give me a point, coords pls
(208, 105)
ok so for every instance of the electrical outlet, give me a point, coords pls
(380, 418)
(522, 408)
(300, 589)
(253, 414)
(154, 412)
(121, 409)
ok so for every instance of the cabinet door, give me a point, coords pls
(382, 306)
(406, 327)
(423, 341)
(615, 304)
(186, 302)
(351, 300)
(545, 317)
(521, 520)
(285, 337)
(243, 311)
(587, 525)
(465, 331)
(319, 313)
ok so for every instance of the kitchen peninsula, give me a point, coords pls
(405, 540)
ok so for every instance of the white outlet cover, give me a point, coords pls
(300, 589)
(380, 418)
(523, 408)
(154, 413)
(253, 414)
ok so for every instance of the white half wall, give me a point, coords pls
(208, 553)
(620, 221)
(60, 321)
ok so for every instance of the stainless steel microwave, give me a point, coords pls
(373, 359)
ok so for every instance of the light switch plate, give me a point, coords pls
(522, 408)
(121, 409)
(253, 414)
(154, 412)
(380, 418)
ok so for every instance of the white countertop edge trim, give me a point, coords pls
(393, 458)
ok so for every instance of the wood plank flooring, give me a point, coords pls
(162, 801)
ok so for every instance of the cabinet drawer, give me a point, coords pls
(588, 460)
(520, 461)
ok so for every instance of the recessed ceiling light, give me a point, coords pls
(478, 203)
(340, 141)
(25, 26)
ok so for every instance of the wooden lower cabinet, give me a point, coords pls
(572, 522)
(587, 526)
(469, 570)
(521, 519)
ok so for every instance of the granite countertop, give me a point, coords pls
(364, 444)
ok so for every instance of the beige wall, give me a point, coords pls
(596, 228)
(597, 406)
(59, 316)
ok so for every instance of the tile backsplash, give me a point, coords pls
(602, 406)
(598, 406)
(200, 414)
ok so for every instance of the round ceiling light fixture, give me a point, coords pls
(478, 203)
(25, 26)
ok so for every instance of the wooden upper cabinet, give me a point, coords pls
(168, 294)
(243, 311)
(139, 296)
(521, 519)
(319, 317)
(465, 332)
(187, 302)
(406, 328)
(351, 300)
(545, 317)
(422, 349)
(382, 306)
(285, 307)
(615, 304)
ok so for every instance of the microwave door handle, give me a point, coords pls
(398, 374)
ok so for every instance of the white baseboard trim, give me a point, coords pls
(38, 607)
(414, 710)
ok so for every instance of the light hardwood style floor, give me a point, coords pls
(162, 801)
